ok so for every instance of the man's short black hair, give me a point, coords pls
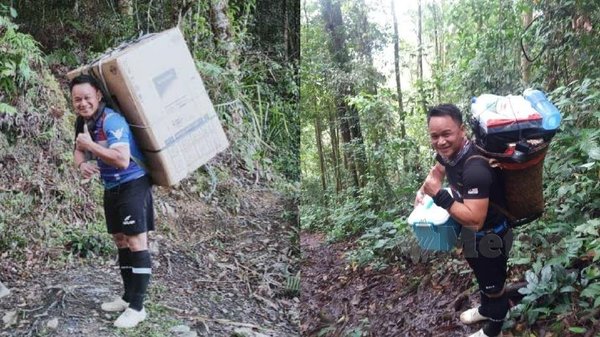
(84, 78)
(445, 110)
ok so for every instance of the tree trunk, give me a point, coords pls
(442, 37)
(221, 28)
(223, 39)
(335, 151)
(365, 44)
(125, 7)
(525, 65)
(334, 25)
(437, 50)
(401, 113)
(318, 135)
(360, 155)
(349, 120)
(292, 29)
(420, 59)
(349, 158)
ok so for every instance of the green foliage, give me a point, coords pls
(6, 10)
(383, 243)
(88, 242)
(483, 42)
(270, 96)
(250, 85)
(351, 215)
(19, 52)
(548, 292)
(292, 285)
(13, 208)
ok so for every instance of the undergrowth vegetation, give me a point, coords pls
(473, 48)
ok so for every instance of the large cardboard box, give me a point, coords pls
(158, 89)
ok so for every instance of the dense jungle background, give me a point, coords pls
(369, 71)
(226, 247)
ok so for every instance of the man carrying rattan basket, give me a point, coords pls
(477, 195)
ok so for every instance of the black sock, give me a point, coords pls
(496, 309)
(141, 271)
(125, 265)
(492, 328)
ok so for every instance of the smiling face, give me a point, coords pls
(85, 99)
(446, 136)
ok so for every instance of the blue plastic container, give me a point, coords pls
(539, 101)
(433, 227)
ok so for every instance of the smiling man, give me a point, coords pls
(104, 145)
(475, 188)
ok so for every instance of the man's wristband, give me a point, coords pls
(443, 199)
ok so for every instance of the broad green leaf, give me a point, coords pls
(380, 243)
(592, 291)
(325, 331)
(524, 291)
(567, 289)
(577, 329)
(591, 272)
(530, 277)
(521, 261)
(587, 165)
(546, 274)
(7, 109)
(590, 227)
(594, 152)
(542, 310)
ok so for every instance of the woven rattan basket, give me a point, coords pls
(523, 184)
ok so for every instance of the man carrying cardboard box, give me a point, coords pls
(103, 134)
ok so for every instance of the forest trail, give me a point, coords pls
(422, 299)
(214, 273)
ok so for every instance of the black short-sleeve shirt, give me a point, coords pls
(475, 179)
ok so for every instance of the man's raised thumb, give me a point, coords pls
(85, 129)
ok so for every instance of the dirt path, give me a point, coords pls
(213, 272)
(343, 300)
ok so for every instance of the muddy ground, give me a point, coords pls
(409, 299)
(216, 271)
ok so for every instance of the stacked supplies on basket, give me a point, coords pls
(499, 123)
(514, 133)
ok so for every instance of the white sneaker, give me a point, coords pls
(130, 318)
(480, 333)
(4, 291)
(118, 304)
(472, 316)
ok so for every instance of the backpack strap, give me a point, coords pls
(493, 163)
(138, 161)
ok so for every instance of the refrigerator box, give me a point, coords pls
(156, 86)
